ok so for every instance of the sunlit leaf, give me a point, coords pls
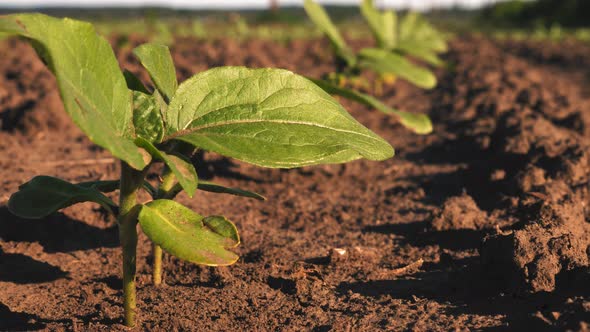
(323, 22)
(419, 52)
(383, 25)
(157, 61)
(415, 30)
(383, 61)
(268, 117)
(187, 235)
(90, 81)
(419, 123)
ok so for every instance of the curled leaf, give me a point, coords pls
(187, 235)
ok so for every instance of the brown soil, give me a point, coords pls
(495, 204)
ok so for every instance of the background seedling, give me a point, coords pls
(267, 117)
(381, 61)
(413, 36)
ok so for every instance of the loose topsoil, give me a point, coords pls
(482, 225)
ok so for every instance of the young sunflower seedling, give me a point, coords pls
(381, 61)
(414, 36)
(267, 117)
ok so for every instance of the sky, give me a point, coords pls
(183, 4)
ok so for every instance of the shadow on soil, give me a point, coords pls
(56, 233)
(208, 168)
(17, 321)
(418, 234)
(461, 283)
(22, 321)
(22, 269)
(473, 177)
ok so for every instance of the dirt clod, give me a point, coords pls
(551, 239)
(460, 212)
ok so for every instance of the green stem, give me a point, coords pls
(168, 181)
(157, 269)
(131, 182)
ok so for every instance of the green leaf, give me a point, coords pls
(103, 186)
(382, 25)
(183, 170)
(407, 25)
(383, 61)
(220, 225)
(108, 186)
(390, 29)
(415, 30)
(90, 81)
(134, 83)
(217, 188)
(187, 235)
(419, 123)
(157, 61)
(320, 18)
(147, 117)
(268, 117)
(44, 195)
(419, 52)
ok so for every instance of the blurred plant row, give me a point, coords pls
(554, 33)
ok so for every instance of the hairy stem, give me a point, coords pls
(131, 181)
(168, 181)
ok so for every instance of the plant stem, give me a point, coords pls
(157, 268)
(168, 181)
(131, 181)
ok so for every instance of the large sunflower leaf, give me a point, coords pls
(90, 81)
(268, 117)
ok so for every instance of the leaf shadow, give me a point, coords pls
(112, 282)
(420, 234)
(475, 166)
(18, 321)
(22, 269)
(463, 287)
(56, 233)
(212, 165)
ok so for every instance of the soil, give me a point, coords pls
(482, 225)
